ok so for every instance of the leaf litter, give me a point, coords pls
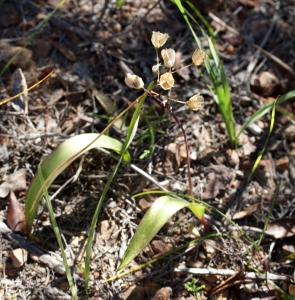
(53, 115)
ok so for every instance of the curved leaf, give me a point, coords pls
(158, 214)
(265, 109)
(61, 158)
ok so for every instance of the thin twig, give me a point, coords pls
(102, 12)
(138, 170)
(223, 272)
(34, 136)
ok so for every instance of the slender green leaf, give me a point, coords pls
(130, 135)
(58, 237)
(197, 12)
(263, 110)
(201, 203)
(266, 141)
(158, 214)
(221, 93)
(273, 200)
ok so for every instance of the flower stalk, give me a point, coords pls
(166, 82)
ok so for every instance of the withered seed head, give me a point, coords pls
(168, 57)
(199, 57)
(159, 39)
(196, 102)
(134, 81)
(166, 81)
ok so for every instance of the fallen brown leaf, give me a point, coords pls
(233, 39)
(251, 3)
(218, 177)
(15, 181)
(16, 219)
(42, 47)
(247, 212)
(281, 228)
(24, 59)
(282, 163)
(265, 84)
(9, 15)
(69, 54)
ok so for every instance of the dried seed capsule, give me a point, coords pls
(168, 57)
(159, 39)
(199, 57)
(134, 81)
(196, 102)
(166, 81)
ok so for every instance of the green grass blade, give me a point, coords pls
(262, 111)
(200, 16)
(130, 134)
(58, 237)
(269, 214)
(258, 159)
(272, 122)
(219, 80)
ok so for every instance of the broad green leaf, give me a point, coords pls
(158, 214)
(61, 158)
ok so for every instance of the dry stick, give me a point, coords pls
(248, 275)
(34, 136)
(271, 56)
(187, 152)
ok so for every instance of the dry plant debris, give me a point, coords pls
(89, 46)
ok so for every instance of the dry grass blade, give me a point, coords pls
(24, 92)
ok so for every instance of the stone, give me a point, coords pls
(19, 257)
(134, 293)
(282, 163)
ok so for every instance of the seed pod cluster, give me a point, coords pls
(166, 80)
